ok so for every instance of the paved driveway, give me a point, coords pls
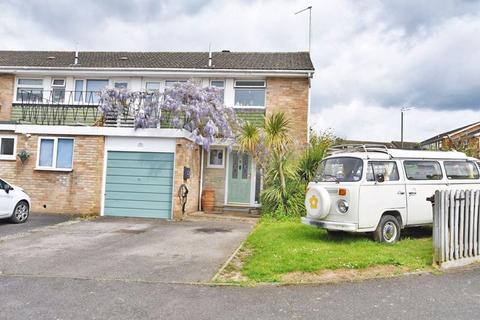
(34, 221)
(125, 249)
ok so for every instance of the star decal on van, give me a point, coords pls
(313, 202)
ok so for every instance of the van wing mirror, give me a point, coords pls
(379, 177)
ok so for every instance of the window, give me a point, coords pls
(79, 95)
(7, 148)
(152, 86)
(171, 83)
(216, 158)
(55, 154)
(387, 168)
(423, 170)
(58, 90)
(457, 170)
(30, 90)
(249, 93)
(121, 84)
(94, 87)
(220, 85)
(342, 169)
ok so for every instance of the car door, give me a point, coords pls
(378, 197)
(6, 201)
(424, 177)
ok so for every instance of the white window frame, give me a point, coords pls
(20, 86)
(115, 81)
(264, 86)
(161, 84)
(216, 166)
(55, 149)
(84, 87)
(173, 80)
(7, 156)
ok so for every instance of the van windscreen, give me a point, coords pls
(342, 169)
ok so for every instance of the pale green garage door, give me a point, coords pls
(139, 184)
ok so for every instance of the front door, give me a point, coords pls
(239, 178)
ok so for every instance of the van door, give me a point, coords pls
(377, 197)
(424, 177)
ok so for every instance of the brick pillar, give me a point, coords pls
(6, 96)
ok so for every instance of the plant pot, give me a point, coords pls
(208, 200)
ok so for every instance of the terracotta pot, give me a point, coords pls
(208, 200)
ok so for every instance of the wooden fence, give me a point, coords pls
(456, 227)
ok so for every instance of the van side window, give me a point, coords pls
(461, 170)
(423, 170)
(387, 168)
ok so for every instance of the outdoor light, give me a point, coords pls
(342, 206)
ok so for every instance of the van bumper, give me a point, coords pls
(329, 225)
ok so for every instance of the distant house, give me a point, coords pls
(460, 138)
(390, 145)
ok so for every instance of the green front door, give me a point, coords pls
(239, 178)
(139, 184)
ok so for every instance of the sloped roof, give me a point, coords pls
(159, 60)
(440, 136)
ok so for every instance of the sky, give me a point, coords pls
(371, 57)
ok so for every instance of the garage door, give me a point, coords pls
(139, 184)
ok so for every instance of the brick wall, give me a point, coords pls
(6, 95)
(187, 155)
(75, 192)
(290, 95)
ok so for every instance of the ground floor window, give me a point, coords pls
(7, 148)
(55, 153)
(216, 158)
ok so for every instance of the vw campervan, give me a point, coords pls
(369, 188)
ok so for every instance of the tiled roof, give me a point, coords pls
(440, 136)
(159, 60)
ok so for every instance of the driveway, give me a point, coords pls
(34, 221)
(125, 249)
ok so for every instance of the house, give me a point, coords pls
(460, 138)
(75, 162)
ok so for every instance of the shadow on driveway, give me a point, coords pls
(34, 221)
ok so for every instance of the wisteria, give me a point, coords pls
(200, 110)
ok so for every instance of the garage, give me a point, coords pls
(138, 184)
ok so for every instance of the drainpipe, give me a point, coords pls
(201, 181)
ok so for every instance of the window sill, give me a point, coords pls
(8, 158)
(215, 167)
(53, 169)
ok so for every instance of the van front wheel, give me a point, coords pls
(388, 230)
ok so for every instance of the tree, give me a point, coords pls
(200, 110)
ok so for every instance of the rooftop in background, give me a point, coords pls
(390, 145)
(158, 60)
(443, 135)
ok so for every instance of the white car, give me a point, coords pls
(369, 188)
(14, 203)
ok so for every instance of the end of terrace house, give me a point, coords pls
(71, 160)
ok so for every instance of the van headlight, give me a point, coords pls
(342, 206)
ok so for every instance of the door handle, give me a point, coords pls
(401, 193)
(412, 193)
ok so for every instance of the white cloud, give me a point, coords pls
(361, 121)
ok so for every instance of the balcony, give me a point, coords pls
(81, 108)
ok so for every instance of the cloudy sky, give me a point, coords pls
(371, 57)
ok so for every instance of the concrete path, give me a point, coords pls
(125, 249)
(447, 296)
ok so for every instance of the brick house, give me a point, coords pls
(80, 163)
(460, 138)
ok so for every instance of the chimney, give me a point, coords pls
(76, 57)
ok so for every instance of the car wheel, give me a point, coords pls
(388, 230)
(21, 212)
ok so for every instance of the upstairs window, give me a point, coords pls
(220, 85)
(29, 90)
(55, 154)
(171, 83)
(152, 86)
(58, 90)
(94, 88)
(458, 170)
(7, 147)
(250, 93)
(121, 84)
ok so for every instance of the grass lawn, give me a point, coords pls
(277, 248)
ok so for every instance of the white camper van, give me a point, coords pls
(369, 188)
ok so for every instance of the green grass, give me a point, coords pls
(278, 248)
